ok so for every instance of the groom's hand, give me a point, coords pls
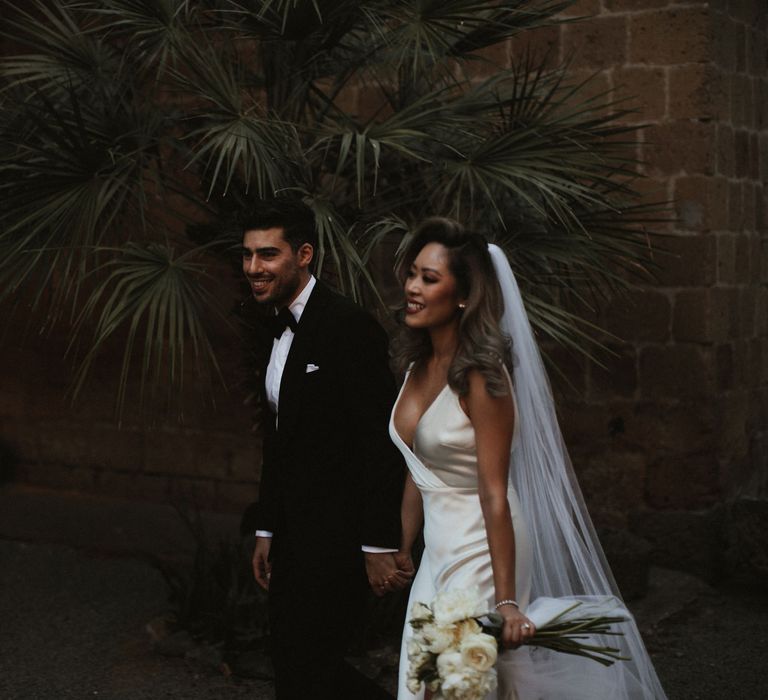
(404, 563)
(384, 574)
(261, 566)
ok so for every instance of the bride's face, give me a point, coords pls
(431, 293)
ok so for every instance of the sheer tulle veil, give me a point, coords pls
(567, 557)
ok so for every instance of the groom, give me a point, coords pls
(328, 515)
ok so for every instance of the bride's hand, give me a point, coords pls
(517, 627)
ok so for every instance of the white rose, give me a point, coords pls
(457, 604)
(458, 685)
(479, 651)
(437, 639)
(466, 628)
(449, 662)
(419, 611)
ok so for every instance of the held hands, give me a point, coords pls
(517, 627)
(262, 569)
(388, 571)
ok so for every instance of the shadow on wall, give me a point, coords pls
(8, 461)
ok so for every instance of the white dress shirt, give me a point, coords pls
(280, 349)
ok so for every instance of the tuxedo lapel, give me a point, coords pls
(300, 355)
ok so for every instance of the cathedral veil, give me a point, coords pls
(568, 560)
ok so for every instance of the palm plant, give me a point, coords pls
(128, 123)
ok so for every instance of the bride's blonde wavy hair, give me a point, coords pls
(482, 345)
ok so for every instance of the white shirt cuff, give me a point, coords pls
(263, 533)
(377, 550)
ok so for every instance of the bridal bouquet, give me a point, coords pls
(454, 645)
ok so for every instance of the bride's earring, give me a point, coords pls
(462, 306)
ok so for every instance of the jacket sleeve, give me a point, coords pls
(376, 462)
(263, 514)
(267, 511)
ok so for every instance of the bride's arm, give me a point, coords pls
(412, 517)
(493, 419)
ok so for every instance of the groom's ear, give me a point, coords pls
(305, 254)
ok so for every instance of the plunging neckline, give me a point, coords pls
(421, 417)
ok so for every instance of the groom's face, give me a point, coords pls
(276, 273)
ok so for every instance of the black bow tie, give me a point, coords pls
(282, 320)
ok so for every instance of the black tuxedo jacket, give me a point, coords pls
(331, 478)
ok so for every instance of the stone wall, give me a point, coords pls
(675, 423)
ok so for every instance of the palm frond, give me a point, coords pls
(230, 132)
(66, 52)
(155, 31)
(149, 290)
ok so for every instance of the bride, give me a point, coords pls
(489, 477)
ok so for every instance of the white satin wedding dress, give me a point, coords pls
(443, 465)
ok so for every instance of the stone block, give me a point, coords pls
(750, 213)
(747, 11)
(690, 541)
(639, 314)
(629, 557)
(747, 306)
(747, 542)
(728, 43)
(681, 371)
(489, 59)
(670, 429)
(543, 43)
(741, 152)
(754, 156)
(647, 89)
(686, 261)
(617, 378)
(742, 112)
(595, 87)
(612, 483)
(701, 203)
(684, 481)
(735, 205)
(632, 6)
(582, 8)
(726, 258)
(585, 424)
(681, 147)
(734, 311)
(724, 368)
(760, 99)
(698, 91)
(742, 261)
(679, 35)
(726, 156)
(599, 43)
(701, 316)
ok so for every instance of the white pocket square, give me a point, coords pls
(311, 368)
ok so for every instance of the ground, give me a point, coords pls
(77, 591)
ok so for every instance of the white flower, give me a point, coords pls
(413, 684)
(479, 651)
(419, 611)
(456, 685)
(466, 627)
(458, 604)
(415, 647)
(438, 639)
(448, 663)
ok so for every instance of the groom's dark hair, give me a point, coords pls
(295, 218)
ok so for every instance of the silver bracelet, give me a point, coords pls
(508, 601)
